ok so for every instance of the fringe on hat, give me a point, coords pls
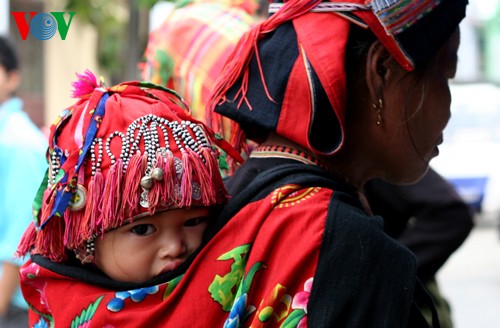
(190, 177)
(110, 203)
(239, 61)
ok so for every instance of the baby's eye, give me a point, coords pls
(143, 229)
(195, 221)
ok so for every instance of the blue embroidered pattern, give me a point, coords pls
(398, 15)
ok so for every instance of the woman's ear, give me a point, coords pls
(378, 63)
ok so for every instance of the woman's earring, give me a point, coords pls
(378, 108)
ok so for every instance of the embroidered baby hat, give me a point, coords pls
(287, 75)
(117, 153)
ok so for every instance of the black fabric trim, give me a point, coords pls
(325, 133)
(351, 236)
(277, 62)
(91, 275)
(278, 176)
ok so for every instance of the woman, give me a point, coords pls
(333, 105)
(336, 93)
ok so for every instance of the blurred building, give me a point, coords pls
(48, 66)
(492, 46)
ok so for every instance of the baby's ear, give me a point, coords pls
(378, 64)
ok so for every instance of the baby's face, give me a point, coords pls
(147, 247)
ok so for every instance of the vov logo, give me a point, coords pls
(43, 26)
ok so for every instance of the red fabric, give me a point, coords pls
(387, 40)
(276, 282)
(288, 125)
(326, 53)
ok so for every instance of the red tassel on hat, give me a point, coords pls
(205, 181)
(186, 190)
(132, 181)
(27, 241)
(50, 241)
(213, 172)
(111, 199)
(171, 180)
(95, 190)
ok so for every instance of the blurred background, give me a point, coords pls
(109, 38)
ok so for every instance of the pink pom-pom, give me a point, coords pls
(84, 85)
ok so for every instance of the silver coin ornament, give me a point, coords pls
(157, 174)
(147, 182)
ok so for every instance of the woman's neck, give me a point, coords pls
(346, 172)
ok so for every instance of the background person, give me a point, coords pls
(22, 164)
(429, 218)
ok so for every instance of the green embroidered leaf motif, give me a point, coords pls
(171, 286)
(293, 319)
(86, 314)
(237, 253)
(223, 288)
(247, 281)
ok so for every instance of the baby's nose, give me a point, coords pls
(173, 246)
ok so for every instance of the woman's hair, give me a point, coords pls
(359, 42)
(8, 55)
(358, 45)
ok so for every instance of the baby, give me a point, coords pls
(130, 183)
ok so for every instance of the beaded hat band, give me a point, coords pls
(116, 154)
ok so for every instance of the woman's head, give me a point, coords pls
(294, 74)
(398, 122)
(116, 154)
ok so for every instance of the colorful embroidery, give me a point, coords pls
(171, 286)
(273, 308)
(137, 295)
(286, 196)
(222, 288)
(397, 15)
(298, 317)
(84, 319)
(240, 310)
(29, 277)
(42, 324)
(45, 320)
